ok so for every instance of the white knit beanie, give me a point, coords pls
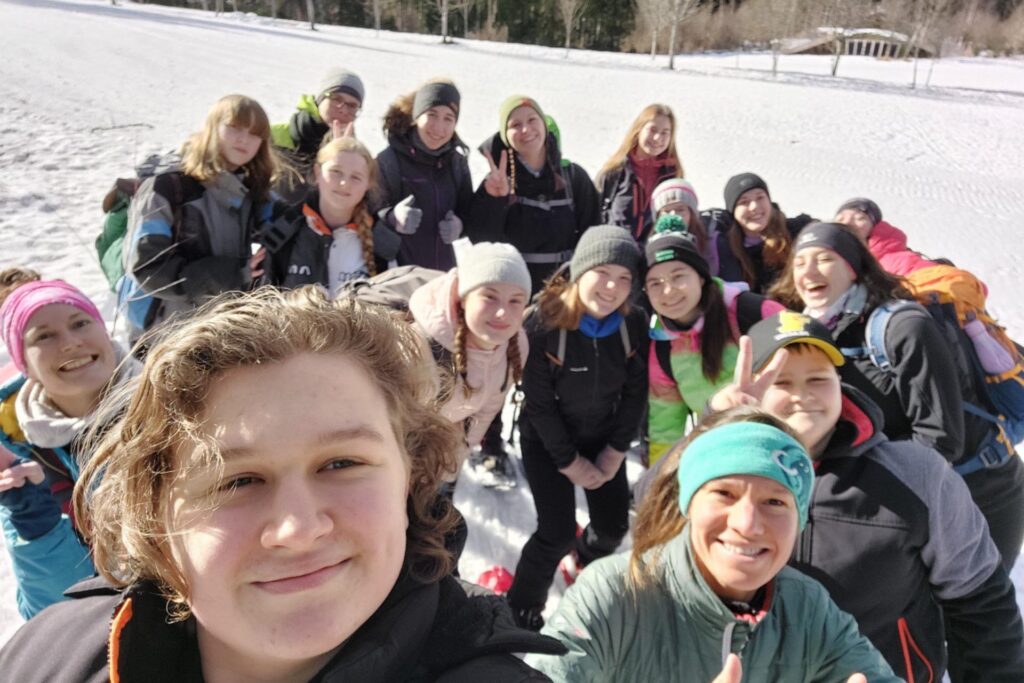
(488, 262)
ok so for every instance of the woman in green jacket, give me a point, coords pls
(706, 595)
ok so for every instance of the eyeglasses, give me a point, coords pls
(347, 105)
(676, 281)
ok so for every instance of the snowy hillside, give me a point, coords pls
(87, 90)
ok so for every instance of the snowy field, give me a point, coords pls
(87, 90)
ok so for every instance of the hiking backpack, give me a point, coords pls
(110, 242)
(1000, 397)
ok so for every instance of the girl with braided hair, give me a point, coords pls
(533, 198)
(334, 241)
(472, 316)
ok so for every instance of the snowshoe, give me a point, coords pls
(495, 469)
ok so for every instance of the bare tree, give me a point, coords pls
(377, 9)
(311, 13)
(442, 8)
(654, 14)
(927, 14)
(681, 10)
(570, 10)
(464, 7)
(273, 9)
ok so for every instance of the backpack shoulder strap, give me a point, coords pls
(627, 345)
(390, 175)
(663, 351)
(874, 335)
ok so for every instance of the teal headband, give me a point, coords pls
(746, 448)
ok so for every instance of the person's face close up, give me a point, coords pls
(298, 541)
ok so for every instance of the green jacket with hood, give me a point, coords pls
(677, 629)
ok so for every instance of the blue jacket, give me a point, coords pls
(46, 552)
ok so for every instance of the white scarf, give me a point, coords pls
(850, 301)
(44, 424)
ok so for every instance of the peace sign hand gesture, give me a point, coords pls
(342, 131)
(496, 183)
(747, 389)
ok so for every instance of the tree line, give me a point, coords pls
(657, 26)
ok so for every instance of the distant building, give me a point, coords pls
(870, 42)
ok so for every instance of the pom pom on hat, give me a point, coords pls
(671, 241)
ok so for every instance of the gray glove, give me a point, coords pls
(582, 472)
(449, 227)
(406, 217)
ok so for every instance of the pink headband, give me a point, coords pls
(29, 298)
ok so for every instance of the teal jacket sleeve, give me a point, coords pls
(46, 566)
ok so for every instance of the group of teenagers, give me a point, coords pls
(261, 487)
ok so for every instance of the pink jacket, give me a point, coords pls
(888, 244)
(434, 307)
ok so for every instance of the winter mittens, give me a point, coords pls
(406, 217)
(449, 227)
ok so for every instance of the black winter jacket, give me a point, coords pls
(619, 199)
(729, 269)
(433, 632)
(595, 399)
(922, 397)
(440, 182)
(896, 539)
(536, 218)
(304, 257)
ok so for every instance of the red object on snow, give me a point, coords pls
(497, 578)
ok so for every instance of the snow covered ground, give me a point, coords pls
(87, 90)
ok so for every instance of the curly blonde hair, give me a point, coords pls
(122, 498)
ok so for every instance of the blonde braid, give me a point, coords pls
(512, 171)
(364, 228)
(515, 359)
(461, 357)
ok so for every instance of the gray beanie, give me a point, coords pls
(603, 244)
(489, 262)
(434, 95)
(865, 206)
(340, 80)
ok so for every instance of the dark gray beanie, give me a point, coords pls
(436, 95)
(603, 244)
(838, 238)
(741, 183)
(340, 80)
(865, 206)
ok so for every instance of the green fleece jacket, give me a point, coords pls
(677, 629)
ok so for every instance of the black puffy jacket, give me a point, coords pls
(446, 631)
